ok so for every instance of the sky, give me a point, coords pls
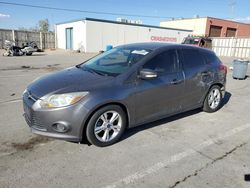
(14, 17)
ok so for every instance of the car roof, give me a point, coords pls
(149, 45)
(157, 45)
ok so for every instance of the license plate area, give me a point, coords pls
(27, 112)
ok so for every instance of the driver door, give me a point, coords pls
(160, 96)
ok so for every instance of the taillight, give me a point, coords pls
(223, 68)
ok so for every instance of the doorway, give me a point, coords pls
(69, 38)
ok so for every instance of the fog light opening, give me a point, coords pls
(60, 127)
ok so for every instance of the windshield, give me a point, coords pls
(115, 61)
(191, 41)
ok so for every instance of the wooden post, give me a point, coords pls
(13, 35)
(41, 41)
(55, 37)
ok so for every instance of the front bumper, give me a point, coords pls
(42, 121)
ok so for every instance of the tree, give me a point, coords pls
(43, 25)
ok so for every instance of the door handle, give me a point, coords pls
(175, 81)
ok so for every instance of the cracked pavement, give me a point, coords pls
(196, 173)
(193, 149)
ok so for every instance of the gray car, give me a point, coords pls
(127, 86)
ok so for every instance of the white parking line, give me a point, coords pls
(6, 154)
(175, 158)
(11, 101)
(20, 75)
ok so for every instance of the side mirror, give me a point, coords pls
(147, 74)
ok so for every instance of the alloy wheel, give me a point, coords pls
(108, 126)
(214, 98)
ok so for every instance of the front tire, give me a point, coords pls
(106, 126)
(213, 100)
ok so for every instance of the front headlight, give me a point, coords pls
(61, 100)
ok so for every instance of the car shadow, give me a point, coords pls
(132, 131)
(226, 98)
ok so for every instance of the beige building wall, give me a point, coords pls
(79, 35)
(198, 25)
(101, 34)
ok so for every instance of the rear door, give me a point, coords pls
(196, 75)
(160, 96)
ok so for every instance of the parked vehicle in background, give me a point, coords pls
(198, 41)
(31, 44)
(13, 50)
(124, 87)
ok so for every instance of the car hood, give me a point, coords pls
(69, 80)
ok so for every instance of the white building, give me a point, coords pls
(93, 35)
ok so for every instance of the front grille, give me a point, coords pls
(37, 122)
(32, 119)
(27, 113)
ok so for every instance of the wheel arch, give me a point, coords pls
(213, 84)
(218, 84)
(123, 106)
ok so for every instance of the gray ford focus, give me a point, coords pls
(127, 86)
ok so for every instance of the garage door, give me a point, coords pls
(231, 32)
(215, 31)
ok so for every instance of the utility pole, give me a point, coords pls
(232, 4)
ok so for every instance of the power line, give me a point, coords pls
(84, 11)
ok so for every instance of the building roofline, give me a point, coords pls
(228, 20)
(122, 23)
(207, 17)
(184, 19)
(70, 21)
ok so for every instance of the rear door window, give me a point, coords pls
(192, 58)
(164, 63)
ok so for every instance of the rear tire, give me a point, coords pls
(106, 126)
(213, 100)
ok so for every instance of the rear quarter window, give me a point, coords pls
(192, 58)
(211, 58)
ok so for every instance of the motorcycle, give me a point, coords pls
(13, 50)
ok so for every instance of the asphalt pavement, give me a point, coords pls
(193, 149)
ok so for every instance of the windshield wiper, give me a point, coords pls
(98, 72)
(78, 66)
(93, 71)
